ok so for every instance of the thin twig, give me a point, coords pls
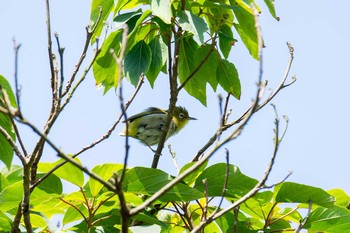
(260, 185)
(89, 34)
(124, 209)
(60, 52)
(16, 48)
(76, 208)
(105, 136)
(302, 223)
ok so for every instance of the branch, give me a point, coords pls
(89, 34)
(60, 52)
(302, 223)
(16, 48)
(105, 136)
(260, 185)
(173, 94)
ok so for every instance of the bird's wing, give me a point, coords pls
(148, 111)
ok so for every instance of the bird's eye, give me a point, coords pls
(181, 115)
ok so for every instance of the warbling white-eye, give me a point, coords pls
(148, 126)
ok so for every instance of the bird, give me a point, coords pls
(148, 125)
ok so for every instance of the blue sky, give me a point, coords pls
(316, 145)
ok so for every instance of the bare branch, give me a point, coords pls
(89, 34)
(60, 52)
(16, 48)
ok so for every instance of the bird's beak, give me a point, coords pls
(192, 118)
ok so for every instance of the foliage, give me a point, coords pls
(190, 41)
(94, 207)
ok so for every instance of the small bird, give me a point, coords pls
(148, 126)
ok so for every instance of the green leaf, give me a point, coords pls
(208, 69)
(141, 180)
(162, 9)
(226, 40)
(137, 62)
(72, 214)
(105, 68)
(11, 196)
(37, 221)
(5, 122)
(228, 79)
(238, 184)
(129, 4)
(51, 184)
(247, 31)
(191, 178)
(121, 19)
(107, 7)
(335, 220)
(67, 172)
(5, 223)
(299, 193)
(195, 86)
(7, 87)
(271, 5)
(342, 199)
(105, 171)
(159, 52)
(192, 23)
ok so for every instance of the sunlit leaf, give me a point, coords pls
(107, 6)
(335, 219)
(192, 23)
(5, 122)
(67, 172)
(247, 31)
(105, 171)
(162, 9)
(271, 5)
(299, 193)
(105, 68)
(140, 180)
(238, 184)
(191, 178)
(121, 19)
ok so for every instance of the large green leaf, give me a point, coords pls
(192, 23)
(11, 196)
(107, 7)
(137, 62)
(207, 70)
(105, 68)
(299, 193)
(67, 172)
(105, 171)
(6, 150)
(51, 184)
(334, 220)
(227, 76)
(141, 180)
(162, 9)
(238, 184)
(159, 52)
(341, 198)
(196, 86)
(226, 40)
(247, 31)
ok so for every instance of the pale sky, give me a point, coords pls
(315, 147)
